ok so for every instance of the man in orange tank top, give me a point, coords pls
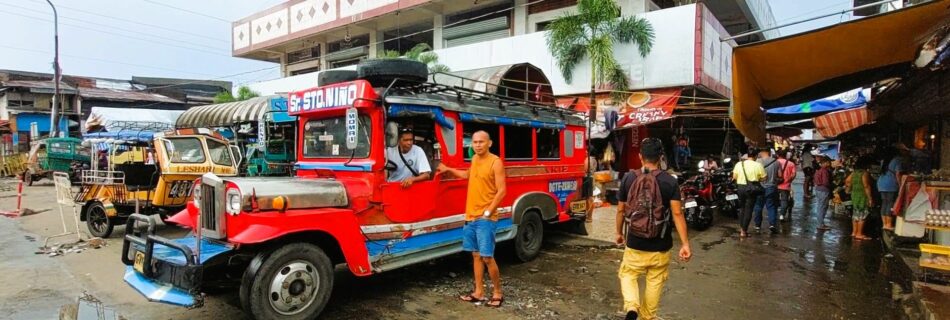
(486, 188)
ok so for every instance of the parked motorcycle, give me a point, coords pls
(725, 192)
(697, 195)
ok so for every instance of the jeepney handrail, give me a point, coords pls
(102, 177)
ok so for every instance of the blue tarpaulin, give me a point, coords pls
(848, 100)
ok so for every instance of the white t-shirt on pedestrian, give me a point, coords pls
(415, 157)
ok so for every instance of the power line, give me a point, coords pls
(213, 79)
(104, 60)
(145, 24)
(118, 34)
(188, 11)
(113, 27)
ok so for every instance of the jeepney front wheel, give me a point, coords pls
(293, 282)
(530, 236)
(97, 221)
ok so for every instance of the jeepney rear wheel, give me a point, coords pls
(293, 282)
(530, 236)
(97, 221)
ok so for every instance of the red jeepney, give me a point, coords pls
(277, 239)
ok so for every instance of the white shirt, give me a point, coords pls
(415, 157)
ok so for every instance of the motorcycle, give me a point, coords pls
(697, 194)
(726, 192)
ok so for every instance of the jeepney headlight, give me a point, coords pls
(233, 203)
(196, 194)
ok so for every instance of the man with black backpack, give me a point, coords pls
(648, 208)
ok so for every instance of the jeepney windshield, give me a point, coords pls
(220, 153)
(326, 138)
(185, 150)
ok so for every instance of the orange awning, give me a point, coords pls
(819, 63)
(835, 123)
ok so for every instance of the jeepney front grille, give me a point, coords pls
(212, 211)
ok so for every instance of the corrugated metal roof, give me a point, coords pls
(33, 84)
(124, 95)
(225, 114)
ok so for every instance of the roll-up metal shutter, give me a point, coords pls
(474, 32)
(347, 54)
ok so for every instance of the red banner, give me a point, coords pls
(644, 107)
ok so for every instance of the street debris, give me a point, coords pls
(72, 247)
(88, 307)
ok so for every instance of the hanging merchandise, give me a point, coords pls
(610, 118)
(609, 155)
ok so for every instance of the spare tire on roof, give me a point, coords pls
(382, 72)
(335, 76)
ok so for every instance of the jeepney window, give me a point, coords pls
(549, 143)
(449, 136)
(568, 143)
(518, 143)
(470, 128)
(220, 153)
(326, 138)
(185, 150)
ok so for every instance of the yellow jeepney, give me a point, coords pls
(139, 171)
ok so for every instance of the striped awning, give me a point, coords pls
(225, 114)
(836, 123)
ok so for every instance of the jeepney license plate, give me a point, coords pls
(690, 204)
(579, 206)
(732, 197)
(139, 261)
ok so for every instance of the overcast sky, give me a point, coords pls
(190, 39)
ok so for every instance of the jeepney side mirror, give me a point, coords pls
(392, 134)
(236, 155)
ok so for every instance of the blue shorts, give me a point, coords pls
(479, 236)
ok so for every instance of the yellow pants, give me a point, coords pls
(655, 267)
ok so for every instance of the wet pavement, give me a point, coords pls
(799, 274)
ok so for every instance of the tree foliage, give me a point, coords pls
(243, 93)
(421, 52)
(590, 33)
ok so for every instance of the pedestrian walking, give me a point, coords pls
(788, 171)
(858, 184)
(888, 185)
(648, 200)
(769, 198)
(822, 184)
(808, 169)
(486, 188)
(748, 175)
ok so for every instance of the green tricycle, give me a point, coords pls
(56, 155)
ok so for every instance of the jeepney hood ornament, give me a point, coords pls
(300, 193)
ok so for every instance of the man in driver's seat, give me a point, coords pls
(409, 161)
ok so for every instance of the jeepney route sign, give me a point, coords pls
(322, 98)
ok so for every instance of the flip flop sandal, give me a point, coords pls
(472, 299)
(493, 300)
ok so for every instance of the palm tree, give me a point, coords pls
(421, 52)
(591, 33)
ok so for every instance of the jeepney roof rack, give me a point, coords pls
(152, 126)
(409, 86)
